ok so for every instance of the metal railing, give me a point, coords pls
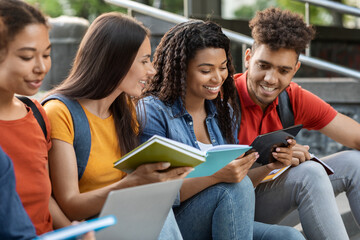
(339, 7)
(234, 36)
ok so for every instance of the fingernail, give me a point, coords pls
(166, 164)
(278, 149)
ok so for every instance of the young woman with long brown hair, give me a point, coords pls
(112, 65)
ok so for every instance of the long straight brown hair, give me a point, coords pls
(105, 56)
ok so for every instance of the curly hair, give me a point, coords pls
(281, 29)
(177, 47)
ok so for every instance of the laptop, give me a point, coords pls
(140, 211)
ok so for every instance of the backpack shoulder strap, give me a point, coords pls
(239, 103)
(39, 118)
(82, 135)
(285, 110)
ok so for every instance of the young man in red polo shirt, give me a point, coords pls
(280, 36)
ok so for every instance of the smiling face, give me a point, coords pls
(141, 71)
(27, 61)
(269, 73)
(206, 73)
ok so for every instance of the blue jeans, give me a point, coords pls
(310, 190)
(264, 231)
(170, 230)
(222, 211)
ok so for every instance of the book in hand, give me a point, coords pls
(265, 144)
(73, 231)
(274, 174)
(161, 149)
(277, 172)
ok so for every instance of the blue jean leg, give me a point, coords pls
(264, 231)
(307, 188)
(170, 230)
(346, 177)
(223, 211)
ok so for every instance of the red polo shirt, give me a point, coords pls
(309, 110)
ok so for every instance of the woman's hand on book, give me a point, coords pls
(157, 172)
(236, 170)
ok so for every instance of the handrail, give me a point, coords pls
(234, 36)
(334, 6)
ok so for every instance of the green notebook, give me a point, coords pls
(161, 149)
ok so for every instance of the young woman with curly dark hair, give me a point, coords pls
(192, 99)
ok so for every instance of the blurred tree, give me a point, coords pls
(318, 15)
(88, 9)
(248, 11)
(50, 7)
(174, 6)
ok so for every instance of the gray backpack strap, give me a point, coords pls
(82, 135)
(285, 111)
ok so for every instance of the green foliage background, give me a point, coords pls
(318, 16)
(90, 9)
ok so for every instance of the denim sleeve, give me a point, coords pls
(14, 221)
(152, 119)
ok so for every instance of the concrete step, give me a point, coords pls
(352, 228)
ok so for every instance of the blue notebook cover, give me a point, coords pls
(71, 232)
(218, 157)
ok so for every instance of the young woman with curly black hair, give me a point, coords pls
(192, 99)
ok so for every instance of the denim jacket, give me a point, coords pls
(174, 123)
